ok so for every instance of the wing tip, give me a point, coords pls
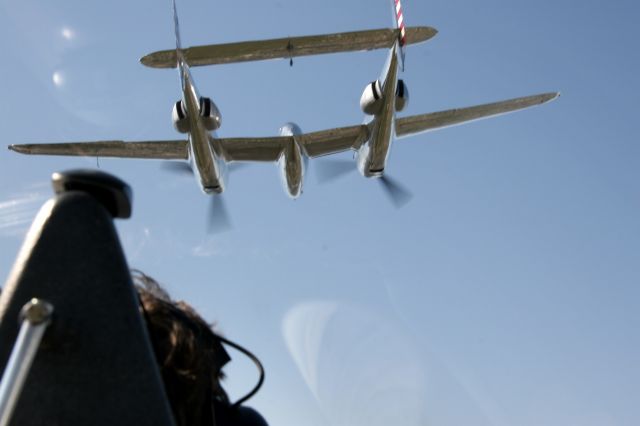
(416, 35)
(539, 99)
(22, 149)
(551, 96)
(160, 59)
(145, 60)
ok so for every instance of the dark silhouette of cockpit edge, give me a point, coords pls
(95, 364)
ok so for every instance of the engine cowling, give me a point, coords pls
(371, 100)
(179, 118)
(292, 162)
(210, 114)
(402, 95)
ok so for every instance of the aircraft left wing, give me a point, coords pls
(314, 144)
(289, 47)
(267, 149)
(159, 150)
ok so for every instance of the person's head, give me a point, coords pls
(188, 352)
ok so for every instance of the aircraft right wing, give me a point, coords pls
(425, 122)
(159, 150)
(288, 47)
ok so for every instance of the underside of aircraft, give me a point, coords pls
(198, 118)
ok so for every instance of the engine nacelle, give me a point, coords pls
(210, 114)
(371, 100)
(211, 118)
(179, 118)
(402, 95)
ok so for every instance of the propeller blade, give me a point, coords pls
(177, 167)
(397, 193)
(329, 170)
(218, 219)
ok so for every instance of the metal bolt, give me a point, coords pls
(36, 311)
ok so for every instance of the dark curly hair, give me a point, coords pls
(188, 352)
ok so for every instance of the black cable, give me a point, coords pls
(255, 360)
(153, 287)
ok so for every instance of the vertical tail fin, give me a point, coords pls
(396, 53)
(399, 21)
(181, 65)
(176, 27)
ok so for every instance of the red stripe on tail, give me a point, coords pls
(400, 22)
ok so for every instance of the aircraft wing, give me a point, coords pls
(332, 141)
(425, 122)
(160, 150)
(254, 149)
(315, 144)
(288, 47)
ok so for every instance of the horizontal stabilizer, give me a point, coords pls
(159, 150)
(288, 47)
(436, 120)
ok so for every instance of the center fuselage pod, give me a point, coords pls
(372, 156)
(207, 164)
(293, 161)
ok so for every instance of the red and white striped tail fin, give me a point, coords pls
(400, 22)
(402, 37)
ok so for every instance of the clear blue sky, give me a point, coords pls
(505, 293)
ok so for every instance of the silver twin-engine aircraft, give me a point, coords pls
(198, 117)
